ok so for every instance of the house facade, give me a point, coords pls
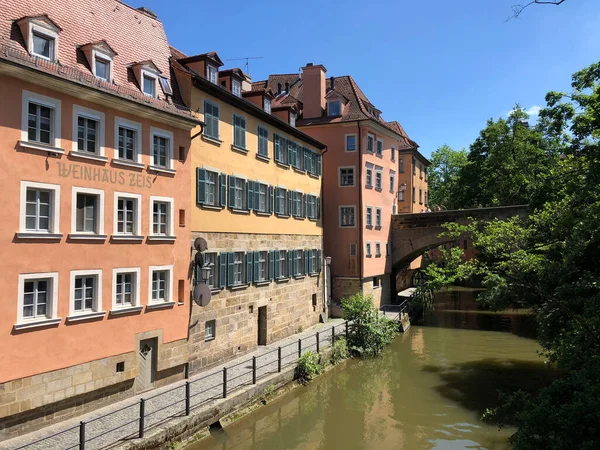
(414, 195)
(361, 169)
(257, 182)
(96, 209)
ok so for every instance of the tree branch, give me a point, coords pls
(518, 9)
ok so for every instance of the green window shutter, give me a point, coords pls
(283, 152)
(290, 153)
(300, 153)
(277, 207)
(249, 256)
(256, 265)
(270, 200)
(231, 181)
(223, 192)
(290, 255)
(222, 270)
(200, 185)
(276, 146)
(307, 160)
(295, 259)
(304, 198)
(318, 261)
(276, 257)
(290, 196)
(249, 195)
(319, 168)
(271, 265)
(257, 196)
(318, 210)
(229, 269)
(306, 262)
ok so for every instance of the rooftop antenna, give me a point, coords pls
(247, 59)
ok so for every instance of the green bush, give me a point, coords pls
(370, 332)
(339, 352)
(308, 366)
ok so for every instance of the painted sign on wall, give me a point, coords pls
(100, 174)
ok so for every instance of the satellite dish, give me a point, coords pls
(202, 294)
(200, 244)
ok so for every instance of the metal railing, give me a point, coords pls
(138, 425)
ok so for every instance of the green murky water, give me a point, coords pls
(427, 391)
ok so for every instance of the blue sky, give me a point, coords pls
(439, 67)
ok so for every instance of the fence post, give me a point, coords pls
(224, 382)
(332, 335)
(187, 398)
(278, 359)
(346, 329)
(318, 342)
(254, 370)
(142, 414)
(82, 435)
(299, 348)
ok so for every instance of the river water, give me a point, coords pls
(427, 391)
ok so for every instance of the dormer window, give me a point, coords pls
(41, 36)
(43, 46)
(236, 88)
(149, 85)
(102, 68)
(100, 57)
(268, 105)
(212, 74)
(293, 119)
(334, 108)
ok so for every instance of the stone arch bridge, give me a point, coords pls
(414, 234)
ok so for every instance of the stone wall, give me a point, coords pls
(344, 287)
(33, 402)
(381, 294)
(290, 304)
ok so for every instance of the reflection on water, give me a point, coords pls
(427, 391)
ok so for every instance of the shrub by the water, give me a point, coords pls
(308, 366)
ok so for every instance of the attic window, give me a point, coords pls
(334, 108)
(40, 34)
(267, 105)
(149, 84)
(212, 74)
(42, 45)
(102, 68)
(236, 88)
(293, 119)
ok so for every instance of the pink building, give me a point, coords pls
(361, 173)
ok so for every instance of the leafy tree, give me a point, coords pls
(443, 176)
(550, 263)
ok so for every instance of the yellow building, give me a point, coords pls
(257, 184)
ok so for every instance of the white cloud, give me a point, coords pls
(532, 112)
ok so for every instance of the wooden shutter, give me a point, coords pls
(271, 265)
(290, 255)
(290, 153)
(300, 157)
(249, 195)
(318, 208)
(319, 168)
(276, 256)
(257, 196)
(249, 267)
(200, 186)
(223, 192)
(306, 262)
(294, 262)
(231, 181)
(222, 270)
(256, 265)
(230, 257)
(276, 147)
(318, 261)
(270, 200)
(290, 202)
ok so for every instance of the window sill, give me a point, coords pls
(378, 227)
(239, 149)
(378, 189)
(299, 218)
(126, 163)
(216, 208)
(282, 164)
(315, 176)
(282, 280)
(41, 147)
(159, 169)
(86, 316)
(347, 226)
(263, 158)
(162, 238)
(238, 287)
(283, 216)
(87, 237)
(27, 235)
(262, 283)
(313, 219)
(239, 211)
(159, 305)
(87, 155)
(125, 237)
(298, 170)
(379, 155)
(377, 256)
(368, 186)
(212, 140)
(346, 185)
(370, 227)
(128, 310)
(314, 274)
(37, 323)
(215, 290)
(298, 277)
(209, 339)
(369, 256)
(262, 213)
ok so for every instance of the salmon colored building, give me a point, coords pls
(361, 172)
(413, 197)
(95, 234)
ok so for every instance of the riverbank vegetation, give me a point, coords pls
(548, 262)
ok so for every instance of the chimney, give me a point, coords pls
(313, 87)
(332, 83)
(147, 11)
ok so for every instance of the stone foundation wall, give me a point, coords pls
(344, 287)
(30, 403)
(290, 304)
(381, 294)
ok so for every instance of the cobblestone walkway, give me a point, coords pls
(122, 423)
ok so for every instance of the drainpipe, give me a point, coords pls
(359, 250)
(326, 296)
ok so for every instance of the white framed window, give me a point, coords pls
(298, 204)
(263, 141)
(379, 151)
(149, 82)
(350, 142)
(369, 176)
(377, 249)
(87, 212)
(267, 103)
(238, 268)
(127, 215)
(393, 151)
(162, 210)
(378, 178)
(88, 131)
(236, 88)
(392, 180)
(239, 194)
(126, 289)
(369, 217)
(400, 195)
(293, 119)
(282, 264)
(312, 262)
(263, 266)
(352, 249)
(212, 73)
(378, 217)
(211, 119)
(346, 176)
(210, 260)
(162, 148)
(368, 249)
(160, 284)
(401, 165)
(40, 120)
(86, 294)
(102, 68)
(334, 108)
(210, 330)
(299, 262)
(40, 209)
(280, 149)
(348, 216)
(239, 131)
(128, 141)
(281, 203)
(370, 143)
(261, 192)
(38, 300)
(210, 183)
(43, 44)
